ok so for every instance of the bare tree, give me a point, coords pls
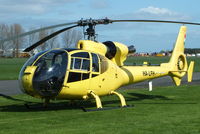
(68, 38)
(42, 34)
(52, 43)
(16, 29)
(71, 37)
(32, 38)
(77, 36)
(4, 32)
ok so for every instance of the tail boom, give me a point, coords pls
(176, 68)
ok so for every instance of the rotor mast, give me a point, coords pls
(90, 32)
(91, 23)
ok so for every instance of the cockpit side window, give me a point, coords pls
(95, 65)
(103, 64)
(80, 61)
(85, 64)
(81, 55)
(80, 67)
(80, 64)
(75, 64)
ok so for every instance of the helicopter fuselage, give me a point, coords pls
(94, 69)
(72, 73)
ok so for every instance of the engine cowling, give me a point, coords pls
(116, 52)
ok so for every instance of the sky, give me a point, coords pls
(146, 37)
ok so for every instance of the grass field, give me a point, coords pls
(165, 110)
(10, 67)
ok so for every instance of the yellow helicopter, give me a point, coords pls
(94, 69)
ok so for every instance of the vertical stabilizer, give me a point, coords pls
(180, 44)
(178, 62)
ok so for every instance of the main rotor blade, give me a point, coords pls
(157, 21)
(47, 38)
(36, 30)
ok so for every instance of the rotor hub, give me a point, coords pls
(91, 23)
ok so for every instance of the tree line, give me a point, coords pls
(66, 39)
(192, 50)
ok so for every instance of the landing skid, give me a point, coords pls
(40, 106)
(107, 108)
(46, 103)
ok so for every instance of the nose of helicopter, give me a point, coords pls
(45, 76)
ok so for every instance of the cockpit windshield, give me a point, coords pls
(50, 73)
(29, 62)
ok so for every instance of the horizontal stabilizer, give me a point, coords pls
(190, 71)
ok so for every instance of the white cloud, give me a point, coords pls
(157, 11)
(31, 7)
(23, 9)
(152, 12)
(41, 12)
(99, 4)
(160, 13)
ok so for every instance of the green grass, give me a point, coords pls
(165, 110)
(10, 67)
